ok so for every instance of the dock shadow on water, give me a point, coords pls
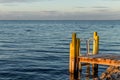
(83, 76)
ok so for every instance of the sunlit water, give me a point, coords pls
(39, 50)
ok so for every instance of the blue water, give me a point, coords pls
(39, 50)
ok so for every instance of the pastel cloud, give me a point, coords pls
(80, 7)
(18, 1)
(59, 9)
(113, 0)
(100, 7)
(56, 15)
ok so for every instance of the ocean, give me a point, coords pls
(39, 49)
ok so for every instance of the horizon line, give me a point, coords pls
(63, 20)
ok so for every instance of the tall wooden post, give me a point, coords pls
(79, 64)
(95, 43)
(74, 54)
(95, 51)
(72, 60)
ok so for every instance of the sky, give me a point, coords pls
(59, 9)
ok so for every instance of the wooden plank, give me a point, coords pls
(112, 60)
(107, 56)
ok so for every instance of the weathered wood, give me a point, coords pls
(72, 57)
(95, 43)
(95, 51)
(106, 59)
(77, 55)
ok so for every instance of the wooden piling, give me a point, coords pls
(74, 54)
(95, 51)
(79, 63)
(95, 43)
(77, 52)
(77, 55)
(72, 60)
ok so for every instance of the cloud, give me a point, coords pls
(28, 15)
(80, 7)
(56, 15)
(100, 7)
(95, 15)
(49, 12)
(12, 1)
(110, 0)
(102, 10)
(95, 7)
(18, 1)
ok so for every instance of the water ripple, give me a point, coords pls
(39, 50)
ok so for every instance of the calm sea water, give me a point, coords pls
(39, 50)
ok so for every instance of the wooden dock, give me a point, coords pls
(77, 60)
(102, 59)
